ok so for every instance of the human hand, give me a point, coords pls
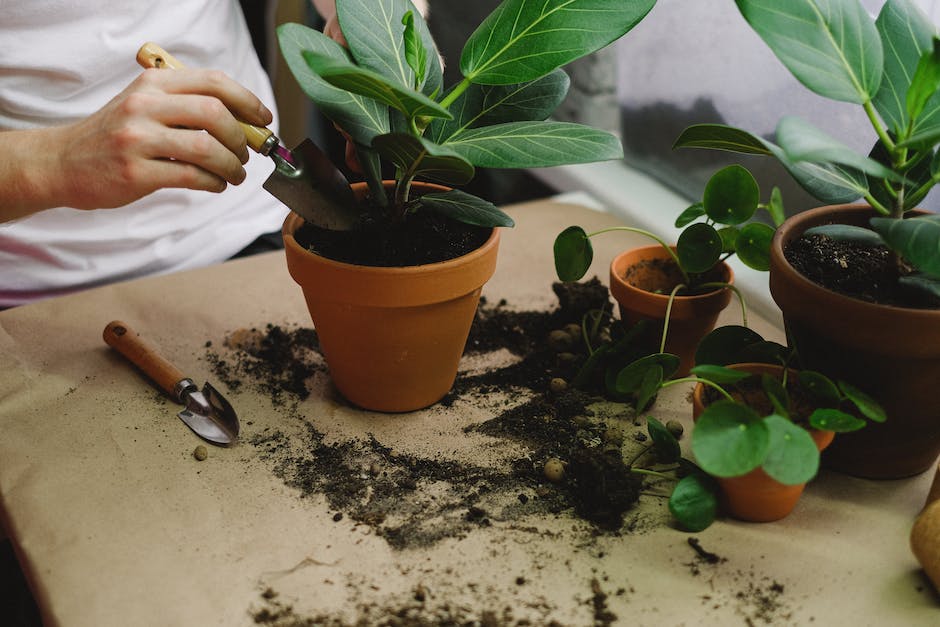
(166, 129)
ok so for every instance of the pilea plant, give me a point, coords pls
(890, 67)
(386, 92)
(713, 230)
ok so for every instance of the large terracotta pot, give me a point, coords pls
(392, 337)
(756, 497)
(691, 318)
(892, 353)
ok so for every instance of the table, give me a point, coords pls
(116, 523)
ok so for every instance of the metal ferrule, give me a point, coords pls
(269, 145)
(183, 388)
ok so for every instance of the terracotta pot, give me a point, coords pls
(756, 497)
(892, 353)
(691, 318)
(392, 337)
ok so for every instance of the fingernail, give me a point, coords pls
(265, 114)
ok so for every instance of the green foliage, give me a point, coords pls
(890, 67)
(386, 92)
(730, 200)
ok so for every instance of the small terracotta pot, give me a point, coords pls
(691, 318)
(756, 497)
(892, 353)
(392, 337)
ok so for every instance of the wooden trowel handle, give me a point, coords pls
(142, 354)
(151, 55)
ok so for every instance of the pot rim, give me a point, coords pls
(615, 277)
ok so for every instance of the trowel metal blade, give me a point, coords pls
(312, 187)
(210, 416)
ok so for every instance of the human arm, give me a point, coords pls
(166, 129)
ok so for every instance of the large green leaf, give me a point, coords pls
(345, 75)
(419, 157)
(466, 208)
(731, 195)
(730, 439)
(535, 145)
(375, 33)
(699, 247)
(925, 82)
(485, 105)
(827, 182)
(915, 239)
(363, 118)
(905, 36)
(630, 378)
(801, 141)
(721, 137)
(723, 345)
(753, 245)
(522, 40)
(792, 457)
(831, 46)
(694, 502)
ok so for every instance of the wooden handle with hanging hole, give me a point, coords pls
(151, 55)
(119, 336)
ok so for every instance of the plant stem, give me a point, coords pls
(652, 473)
(653, 237)
(698, 380)
(877, 206)
(672, 299)
(882, 133)
(737, 293)
(455, 93)
(639, 455)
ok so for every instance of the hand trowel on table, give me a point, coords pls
(304, 179)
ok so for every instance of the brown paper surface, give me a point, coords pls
(117, 524)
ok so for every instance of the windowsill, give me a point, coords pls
(641, 201)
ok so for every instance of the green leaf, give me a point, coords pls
(664, 443)
(649, 387)
(775, 207)
(486, 105)
(723, 345)
(421, 157)
(730, 439)
(345, 75)
(466, 208)
(906, 35)
(765, 353)
(801, 141)
(729, 238)
(522, 40)
(792, 457)
(573, 254)
(721, 137)
(362, 118)
(776, 394)
(829, 419)
(699, 247)
(415, 53)
(731, 195)
(719, 374)
(915, 239)
(831, 46)
(630, 378)
(847, 233)
(922, 283)
(869, 407)
(820, 387)
(827, 182)
(753, 245)
(378, 42)
(690, 215)
(535, 144)
(694, 502)
(925, 82)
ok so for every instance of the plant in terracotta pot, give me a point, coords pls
(684, 287)
(859, 286)
(386, 93)
(757, 437)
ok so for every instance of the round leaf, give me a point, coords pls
(722, 346)
(828, 419)
(753, 245)
(869, 407)
(690, 215)
(630, 378)
(729, 238)
(664, 443)
(764, 353)
(792, 457)
(699, 247)
(719, 374)
(649, 386)
(820, 387)
(730, 439)
(731, 195)
(694, 502)
(573, 254)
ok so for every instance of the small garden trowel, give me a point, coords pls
(207, 413)
(304, 179)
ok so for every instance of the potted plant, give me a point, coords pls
(386, 93)
(683, 288)
(883, 334)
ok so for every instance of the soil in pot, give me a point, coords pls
(863, 272)
(418, 239)
(661, 276)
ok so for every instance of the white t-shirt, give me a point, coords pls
(61, 60)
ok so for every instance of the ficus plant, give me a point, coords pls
(386, 92)
(714, 229)
(890, 68)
